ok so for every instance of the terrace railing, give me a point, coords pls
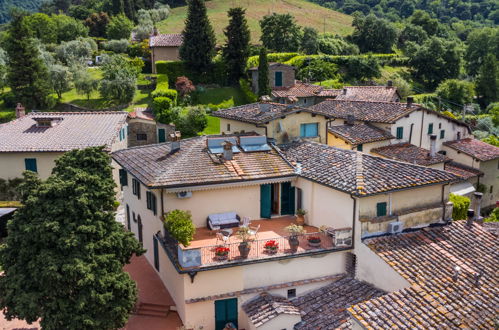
(333, 239)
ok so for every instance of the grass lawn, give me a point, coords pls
(305, 13)
(213, 126)
(219, 95)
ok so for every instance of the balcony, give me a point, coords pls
(202, 252)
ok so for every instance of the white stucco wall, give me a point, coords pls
(12, 164)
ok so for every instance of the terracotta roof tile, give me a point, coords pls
(382, 112)
(266, 307)
(141, 113)
(427, 259)
(155, 165)
(326, 307)
(475, 148)
(410, 153)
(358, 173)
(299, 89)
(360, 133)
(166, 40)
(73, 130)
(256, 114)
(329, 93)
(369, 93)
(462, 170)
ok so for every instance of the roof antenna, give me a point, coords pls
(455, 276)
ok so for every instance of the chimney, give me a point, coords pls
(477, 206)
(155, 31)
(410, 100)
(350, 120)
(457, 271)
(433, 145)
(264, 106)
(20, 111)
(344, 91)
(174, 138)
(389, 83)
(471, 215)
(227, 145)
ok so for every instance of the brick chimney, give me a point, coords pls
(350, 120)
(344, 91)
(389, 83)
(410, 101)
(174, 138)
(20, 111)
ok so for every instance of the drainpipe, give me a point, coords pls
(354, 218)
(410, 133)
(443, 201)
(421, 132)
(327, 126)
(390, 204)
(162, 203)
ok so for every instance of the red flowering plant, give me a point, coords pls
(271, 246)
(221, 251)
(314, 239)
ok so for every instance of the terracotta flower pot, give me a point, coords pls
(222, 257)
(244, 250)
(293, 243)
(271, 251)
(300, 220)
(314, 245)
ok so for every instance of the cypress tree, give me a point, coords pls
(263, 73)
(27, 75)
(487, 84)
(64, 256)
(198, 48)
(236, 49)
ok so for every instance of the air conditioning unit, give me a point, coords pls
(184, 194)
(395, 227)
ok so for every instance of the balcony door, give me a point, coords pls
(287, 199)
(225, 312)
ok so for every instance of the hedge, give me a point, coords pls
(174, 69)
(162, 89)
(246, 89)
(162, 108)
(271, 57)
(461, 206)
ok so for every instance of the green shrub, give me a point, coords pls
(248, 93)
(179, 224)
(271, 57)
(494, 216)
(174, 69)
(163, 110)
(162, 81)
(162, 89)
(330, 84)
(461, 206)
(222, 105)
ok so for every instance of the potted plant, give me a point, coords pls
(314, 242)
(179, 224)
(271, 247)
(300, 217)
(222, 253)
(245, 246)
(294, 231)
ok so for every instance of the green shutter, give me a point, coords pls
(156, 253)
(359, 147)
(265, 201)
(128, 225)
(123, 177)
(30, 164)
(278, 78)
(400, 133)
(161, 135)
(225, 312)
(287, 199)
(442, 134)
(381, 209)
(430, 128)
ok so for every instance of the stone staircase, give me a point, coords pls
(155, 310)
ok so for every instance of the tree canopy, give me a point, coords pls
(64, 256)
(236, 50)
(280, 33)
(372, 34)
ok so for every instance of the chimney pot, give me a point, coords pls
(174, 138)
(344, 91)
(350, 119)
(155, 31)
(477, 205)
(227, 146)
(455, 276)
(264, 106)
(471, 214)
(389, 83)
(410, 101)
(20, 110)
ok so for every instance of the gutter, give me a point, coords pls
(443, 203)
(354, 216)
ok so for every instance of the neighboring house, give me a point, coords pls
(361, 137)
(228, 181)
(483, 159)
(165, 47)
(387, 93)
(34, 141)
(143, 128)
(409, 153)
(300, 94)
(443, 277)
(280, 76)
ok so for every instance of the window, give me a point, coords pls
(291, 293)
(491, 189)
(122, 133)
(442, 134)
(30, 164)
(400, 133)
(304, 101)
(360, 147)
(123, 177)
(134, 217)
(151, 202)
(439, 125)
(309, 130)
(228, 127)
(381, 209)
(430, 128)
(141, 137)
(459, 135)
(278, 79)
(128, 225)
(136, 188)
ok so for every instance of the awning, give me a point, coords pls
(462, 188)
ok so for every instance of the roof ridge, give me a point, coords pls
(359, 174)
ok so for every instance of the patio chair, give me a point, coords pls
(253, 230)
(246, 222)
(224, 238)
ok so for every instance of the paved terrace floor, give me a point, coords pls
(270, 229)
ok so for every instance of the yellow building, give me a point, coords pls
(228, 182)
(165, 47)
(34, 141)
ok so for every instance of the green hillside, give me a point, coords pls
(306, 14)
(5, 5)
